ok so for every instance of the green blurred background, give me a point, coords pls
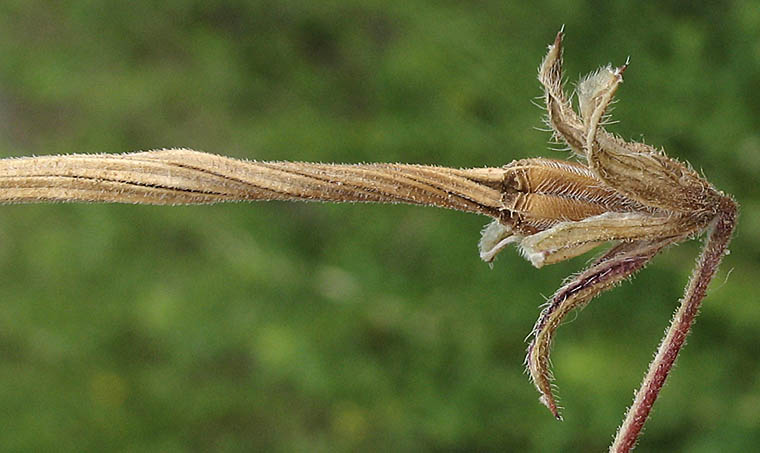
(298, 327)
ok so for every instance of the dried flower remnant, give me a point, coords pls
(627, 194)
(653, 201)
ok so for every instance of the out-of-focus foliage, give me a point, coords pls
(296, 327)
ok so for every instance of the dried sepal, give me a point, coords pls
(617, 265)
(565, 123)
(651, 178)
(611, 226)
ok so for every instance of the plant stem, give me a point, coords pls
(674, 339)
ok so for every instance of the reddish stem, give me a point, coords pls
(713, 252)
